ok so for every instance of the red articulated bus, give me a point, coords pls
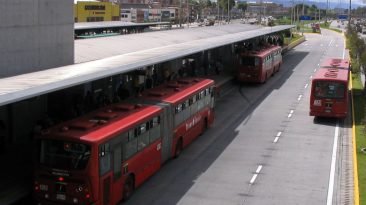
(329, 93)
(100, 158)
(258, 66)
(193, 108)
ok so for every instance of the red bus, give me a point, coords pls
(329, 93)
(193, 109)
(336, 63)
(258, 66)
(101, 157)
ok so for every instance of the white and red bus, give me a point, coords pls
(329, 93)
(101, 157)
(258, 66)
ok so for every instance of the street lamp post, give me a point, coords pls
(180, 13)
(218, 11)
(228, 11)
(349, 13)
(188, 15)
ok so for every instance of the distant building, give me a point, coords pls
(140, 13)
(265, 9)
(91, 11)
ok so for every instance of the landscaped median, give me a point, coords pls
(295, 40)
(359, 141)
(358, 60)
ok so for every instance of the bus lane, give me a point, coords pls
(263, 148)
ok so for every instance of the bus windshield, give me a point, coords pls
(64, 155)
(249, 61)
(326, 89)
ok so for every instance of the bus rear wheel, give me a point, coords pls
(265, 78)
(128, 188)
(205, 126)
(178, 148)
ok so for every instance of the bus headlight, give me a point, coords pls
(46, 196)
(75, 200)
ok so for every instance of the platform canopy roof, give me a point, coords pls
(127, 53)
(113, 24)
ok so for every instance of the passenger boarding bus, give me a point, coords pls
(101, 157)
(329, 93)
(258, 66)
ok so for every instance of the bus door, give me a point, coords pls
(166, 129)
(104, 172)
(116, 154)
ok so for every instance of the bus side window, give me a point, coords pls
(178, 118)
(116, 150)
(143, 137)
(155, 129)
(104, 159)
(130, 146)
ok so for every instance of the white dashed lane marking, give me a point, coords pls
(256, 174)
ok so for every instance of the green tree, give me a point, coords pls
(223, 4)
(242, 6)
(358, 52)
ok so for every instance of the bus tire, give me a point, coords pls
(178, 148)
(205, 126)
(265, 78)
(128, 188)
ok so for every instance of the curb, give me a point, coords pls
(293, 44)
(354, 154)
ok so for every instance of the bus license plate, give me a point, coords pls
(61, 196)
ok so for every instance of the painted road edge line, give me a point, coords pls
(356, 194)
(332, 166)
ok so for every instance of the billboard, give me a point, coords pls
(343, 16)
(305, 18)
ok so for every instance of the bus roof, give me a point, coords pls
(260, 53)
(331, 74)
(100, 125)
(176, 90)
(336, 63)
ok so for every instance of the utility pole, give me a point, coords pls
(188, 15)
(292, 13)
(180, 13)
(218, 11)
(297, 14)
(349, 13)
(228, 11)
(260, 13)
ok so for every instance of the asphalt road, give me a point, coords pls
(263, 148)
